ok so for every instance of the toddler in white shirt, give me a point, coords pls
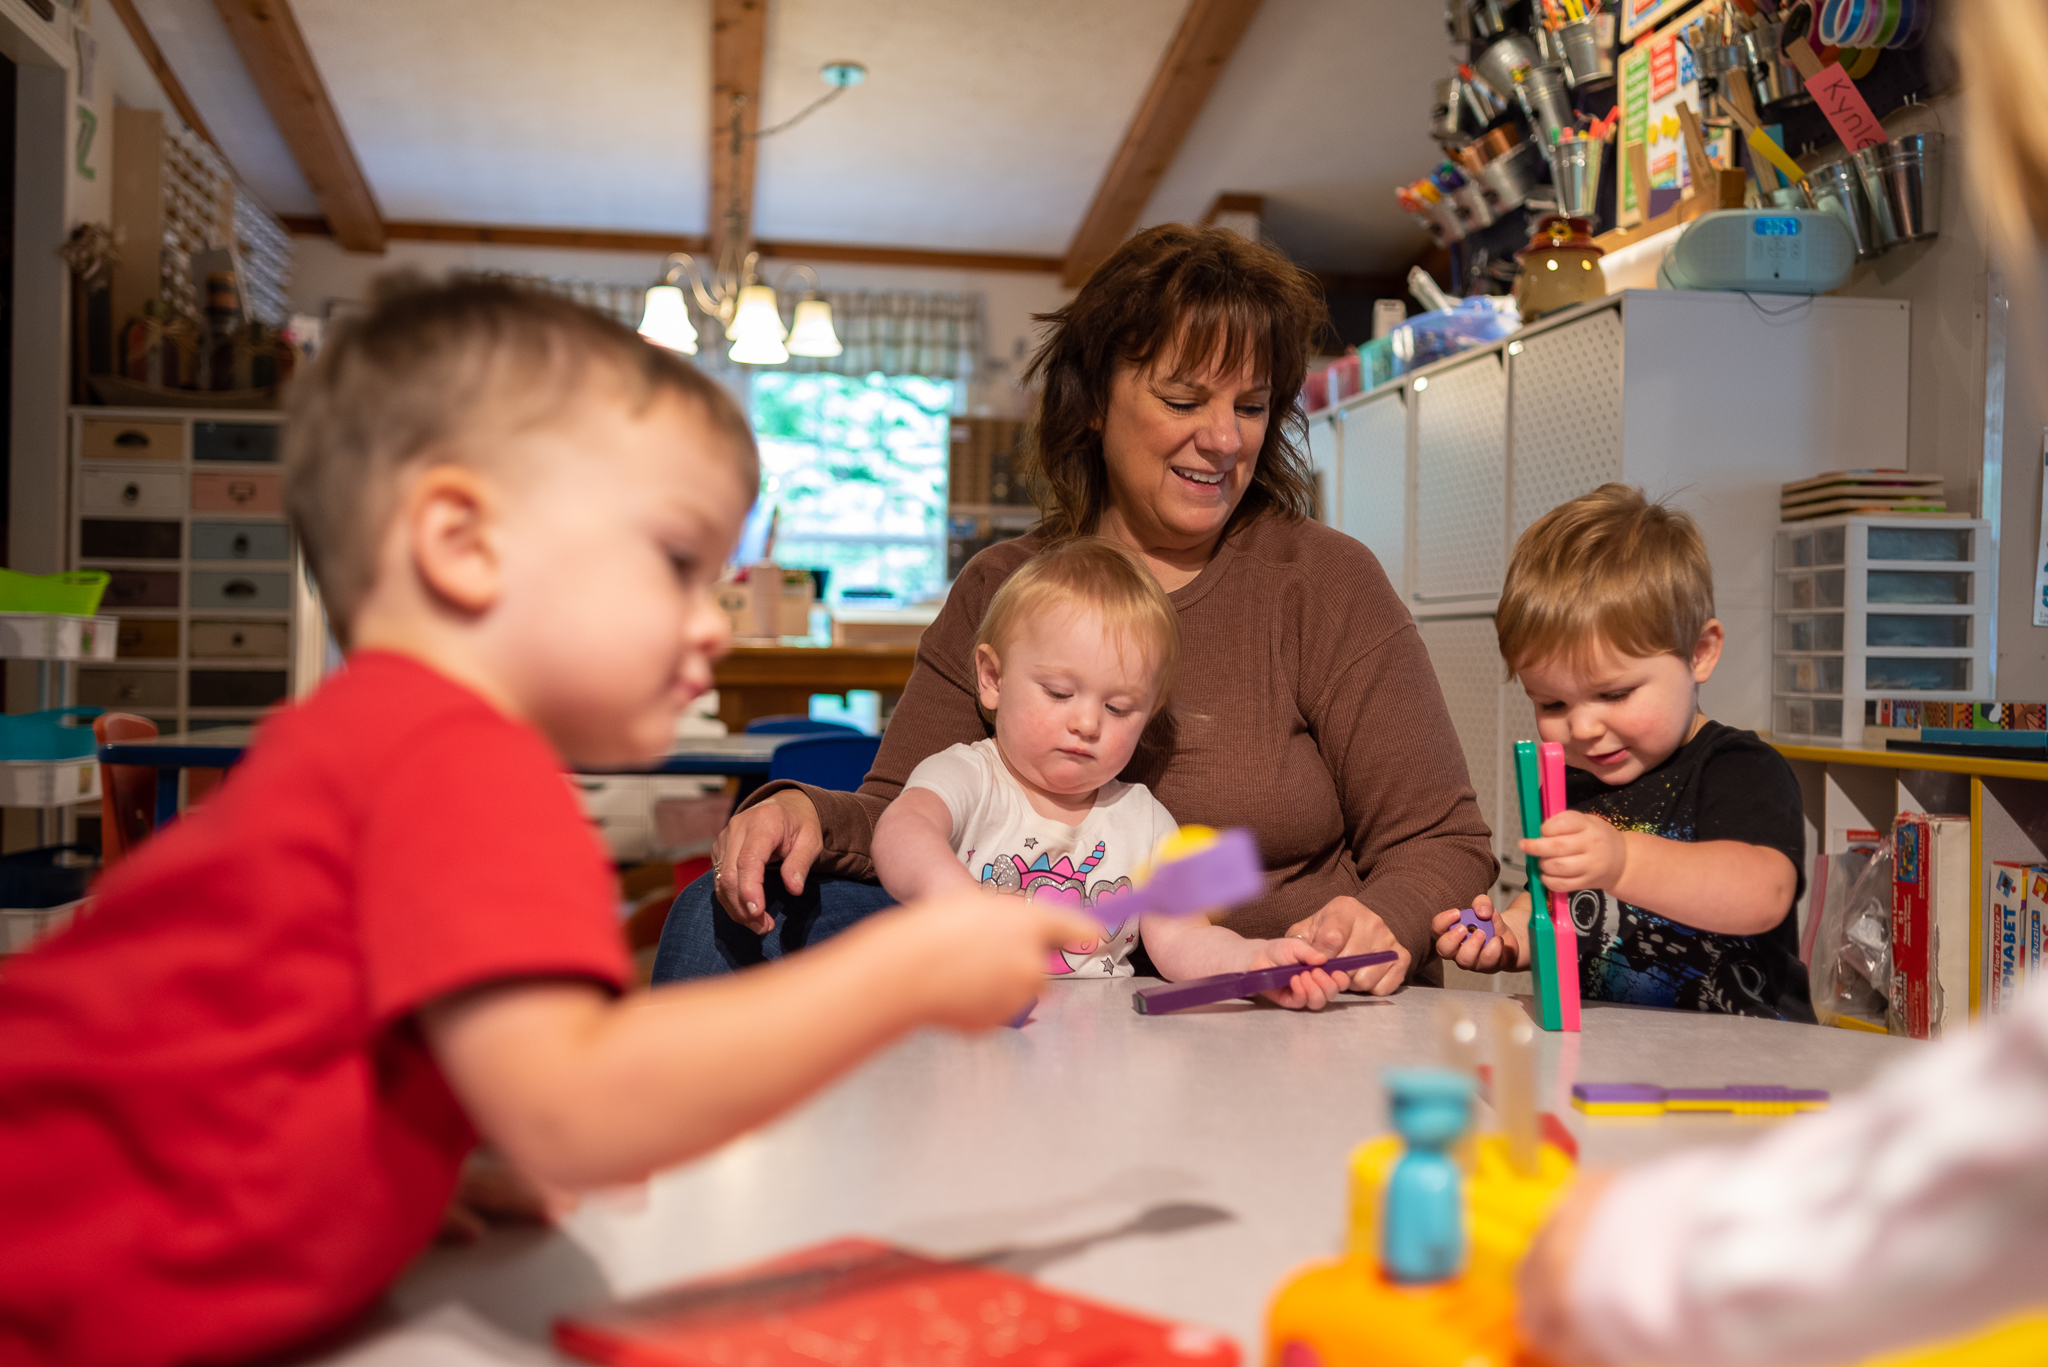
(1076, 655)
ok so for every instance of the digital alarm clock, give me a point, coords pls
(1770, 251)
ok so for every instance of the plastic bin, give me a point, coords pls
(76, 592)
(1474, 322)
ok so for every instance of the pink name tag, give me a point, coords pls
(1845, 107)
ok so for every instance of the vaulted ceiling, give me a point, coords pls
(984, 125)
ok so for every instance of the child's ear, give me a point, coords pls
(451, 517)
(1706, 652)
(988, 676)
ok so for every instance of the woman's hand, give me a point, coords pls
(784, 828)
(1579, 850)
(1346, 925)
(1468, 948)
(1309, 990)
(1543, 1286)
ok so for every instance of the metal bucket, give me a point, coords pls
(1772, 79)
(1512, 175)
(1902, 179)
(1547, 101)
(1470, 202)
(1575, 170)
(1443, 110)
(1837, 188)
(1582, 61)
(1499, 63)
(1489, 16)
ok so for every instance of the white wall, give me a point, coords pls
(322, 272)
(1948, 281)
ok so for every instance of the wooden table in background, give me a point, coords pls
(766, 681)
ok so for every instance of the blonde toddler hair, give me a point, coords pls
(1609, 567)
(1090, 572)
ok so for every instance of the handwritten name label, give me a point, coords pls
(1847, 111)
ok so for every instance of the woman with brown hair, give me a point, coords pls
(1309, 713)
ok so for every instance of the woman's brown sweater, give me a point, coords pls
(1306, 710)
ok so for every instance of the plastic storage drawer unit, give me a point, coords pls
(243, 441)
(107, 439)
(110, 538)
(213, 589)
(141, 589)
(240, 640)
(103, 490)
(141, 638)
(127, 689)
(241, 541)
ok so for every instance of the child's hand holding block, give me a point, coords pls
(1478, 938)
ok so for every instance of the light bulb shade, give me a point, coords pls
(756, 329)
(811, 334)
(666, 320)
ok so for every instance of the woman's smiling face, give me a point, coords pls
(1180, 450)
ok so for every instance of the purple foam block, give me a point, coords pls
(1618, 1093)
(1157, 1001)
(1471, 920)
(1224, 875)
(1766, 1095)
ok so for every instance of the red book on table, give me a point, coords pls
(859, 1303)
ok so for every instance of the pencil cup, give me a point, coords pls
(1575, 169)
(1582, 61)
(1903, 181)
(1546, 100)
(1837, 189)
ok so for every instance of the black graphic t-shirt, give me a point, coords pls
(1723, 784)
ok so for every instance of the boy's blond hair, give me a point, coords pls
(1090, 572)
(1608, 567)
(446, 369)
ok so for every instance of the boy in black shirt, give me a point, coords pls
(1682, 845)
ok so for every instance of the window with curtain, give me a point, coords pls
(853, 447)
(855, 472)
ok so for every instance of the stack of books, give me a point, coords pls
(1882, 493)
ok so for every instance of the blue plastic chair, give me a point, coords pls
(792, 724)
(837, 759)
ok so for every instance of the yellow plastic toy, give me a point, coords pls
(1346, 1313)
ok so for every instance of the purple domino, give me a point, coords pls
(1226, 874)
(1618, 1093)
(1471, 920)
(1157, 1001)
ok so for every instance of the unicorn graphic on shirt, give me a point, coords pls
(1061, 881)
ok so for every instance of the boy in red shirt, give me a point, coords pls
(234, 1098)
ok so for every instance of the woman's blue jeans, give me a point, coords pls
(701, 941)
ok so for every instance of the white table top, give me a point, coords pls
(1180, 1165)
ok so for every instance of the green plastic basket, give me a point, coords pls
(76, 592)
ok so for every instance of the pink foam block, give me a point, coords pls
(1567, 936)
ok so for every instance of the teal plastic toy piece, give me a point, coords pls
(1422, 1223)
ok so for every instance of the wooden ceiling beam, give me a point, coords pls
(1208, 34)
(602, 240)
(1231, 202)
(276, 55)
(153, 55)
(739, 36)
